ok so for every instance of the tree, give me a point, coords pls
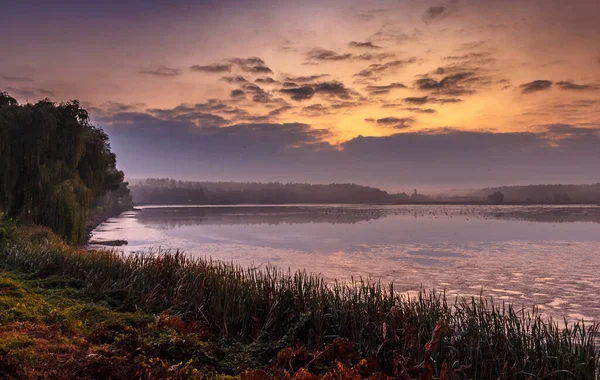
(496, 197)
(53, 164)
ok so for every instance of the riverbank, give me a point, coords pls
(109, 316)
(100, 215)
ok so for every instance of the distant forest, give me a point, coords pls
(170, 191)
(547, 194)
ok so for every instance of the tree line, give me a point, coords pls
(55, 166)
(545, 194)
(170, 191)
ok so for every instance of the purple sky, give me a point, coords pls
(397, 94)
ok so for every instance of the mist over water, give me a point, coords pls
(528, 255)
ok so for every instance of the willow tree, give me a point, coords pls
(53, 164)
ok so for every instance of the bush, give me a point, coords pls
(8, 230)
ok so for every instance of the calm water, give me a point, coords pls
(547, 256)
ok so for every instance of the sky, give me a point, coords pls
(398, 94)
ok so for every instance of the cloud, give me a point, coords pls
(363, 45)
(316, 110)
(299, 93)
(234, 79)
(535, 86)
(434, 13)
(319, 54)
(427, 99)
(162, 71)
(253, 65)
(214, 68)
(305, 79)
(266, 80)
(383, 90)
(237, 93)
(569, 85)
(332, 89)
(420, 110)
(459, 84)
(153, 145)
(376, 70)
(468, 56)
(394, 122)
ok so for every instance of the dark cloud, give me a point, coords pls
(266, 80)
(316, 110)
(420, 110)
(376, 70)
(186, 116)
(252, 88)
(162, 71)
(374, 56)
(561, 131)
(319, 54)
(299, 93)
(468, 56)
(383, 90)
(214, 68)
(234, 79)
(417, 100)
(569, 85)
(363, 45)
(332, 89)
(237, 93)
(427, 99)
(444, 85)
(150, 145)
(459, 84)
(434, 13)
(535, 86)
(305, 79)
(394, 122)
(252, 65)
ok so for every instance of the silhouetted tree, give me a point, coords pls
(496, 197)
(53, 164)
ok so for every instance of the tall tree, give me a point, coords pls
(53, 164)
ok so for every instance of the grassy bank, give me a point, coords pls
(221, 319)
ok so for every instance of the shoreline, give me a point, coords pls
(218, 319)
(99, 216)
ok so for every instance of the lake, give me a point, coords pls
(529, 255)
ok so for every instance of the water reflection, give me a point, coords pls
(529, 255)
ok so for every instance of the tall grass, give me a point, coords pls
(480, 339)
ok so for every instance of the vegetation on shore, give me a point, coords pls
(217, 318)
(55, 166)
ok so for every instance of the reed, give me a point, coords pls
(479, 338)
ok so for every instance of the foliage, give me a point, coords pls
(170, 191)
(53, 164)
(552, 194)
(496, 197)
(8, 230)
(267, 311)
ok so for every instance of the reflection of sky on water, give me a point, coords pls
(530, 255)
